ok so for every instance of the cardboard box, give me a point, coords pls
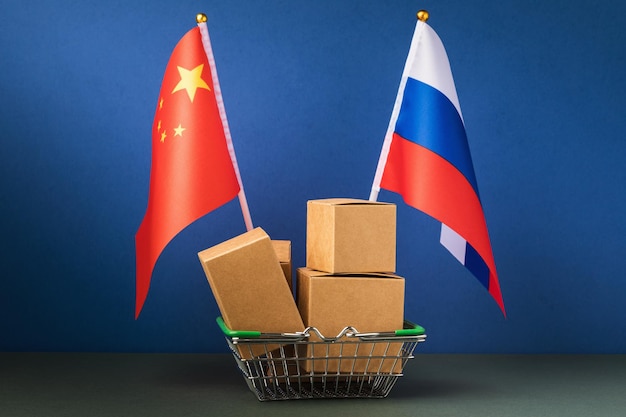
(348, 235)
(283, 253)
(249, 286)
(367, 302)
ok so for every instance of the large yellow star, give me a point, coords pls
(191, 80)
(179, 130)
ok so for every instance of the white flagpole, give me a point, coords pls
(206, 42)
(384, 153)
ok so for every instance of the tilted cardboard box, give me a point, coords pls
(367, 302)
(283, 253)
(349, 235)
(249, 286)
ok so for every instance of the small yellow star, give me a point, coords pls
(159, 126)
(161, 104)
(179, 130)
(163, 136)
(191, 80)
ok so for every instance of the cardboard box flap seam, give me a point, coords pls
(322, 274)
(349, 201)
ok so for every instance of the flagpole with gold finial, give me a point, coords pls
(422, 17)
(201, 19)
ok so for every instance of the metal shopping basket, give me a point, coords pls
(306, 365)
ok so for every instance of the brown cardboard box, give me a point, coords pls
(249, 285)
(283, 253)
(367, 302)
(348, 235)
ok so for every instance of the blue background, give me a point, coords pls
(308, 88)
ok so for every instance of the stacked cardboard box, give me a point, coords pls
(282, 248)
(349, 235)
(350, 279)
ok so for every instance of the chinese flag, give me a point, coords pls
(192, 171)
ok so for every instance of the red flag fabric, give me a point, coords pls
(192, 171)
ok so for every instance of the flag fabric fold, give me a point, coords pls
(426, 158)
(193, 170)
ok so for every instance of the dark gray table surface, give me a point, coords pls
(114, 384)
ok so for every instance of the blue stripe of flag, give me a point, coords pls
(428, 118)
(476, 265)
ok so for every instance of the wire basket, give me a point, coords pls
(307, 365)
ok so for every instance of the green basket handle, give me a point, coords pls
(411, 329)
(248, 334)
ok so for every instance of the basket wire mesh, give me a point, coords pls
(307, 365)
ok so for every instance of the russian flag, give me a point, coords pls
(426, 158)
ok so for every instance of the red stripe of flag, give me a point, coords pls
(431, 184)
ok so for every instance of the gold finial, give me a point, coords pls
(201, 18)
(422, 15)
